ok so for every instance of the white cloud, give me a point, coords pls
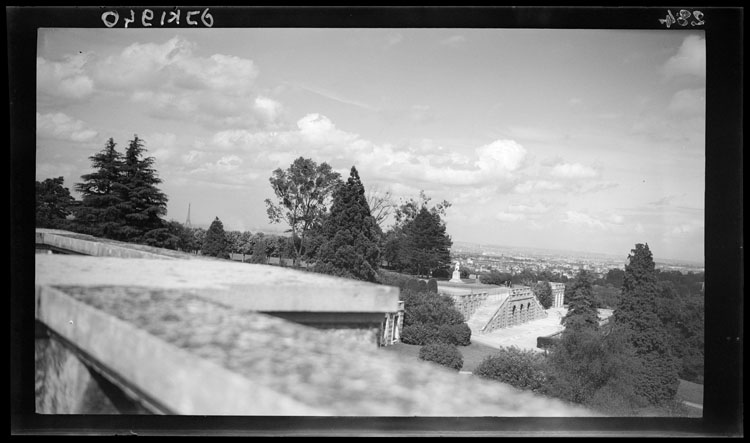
(616, 219)
(268, 107)
(685, 229)
(573, 171)
(537, 208)
(193, 156)
(690, 59)
(316, 136)
(172, 65)
(66, 79)
(579, 218)
(57, 169)
(537, 185)
(500, 156)
(161, 145)
(509, 216)
(168, 80)
(61, 126)
(689, 101)
(228, 163)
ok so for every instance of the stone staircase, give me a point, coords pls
(483, 315)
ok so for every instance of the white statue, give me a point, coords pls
(456, 274)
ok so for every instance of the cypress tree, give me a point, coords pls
(99, 213)
(142, 203)
(259, 250)
(636, 315)
(582, 313)
(215, 243)
(351, 245)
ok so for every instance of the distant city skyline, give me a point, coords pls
(581, 140)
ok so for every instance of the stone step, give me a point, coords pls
(483, 315)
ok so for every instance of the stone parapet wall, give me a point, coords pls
(193, 336)
(184, 353)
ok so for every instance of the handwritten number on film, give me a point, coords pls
(683, 18)
(111, 18)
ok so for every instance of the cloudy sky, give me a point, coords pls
(588, 140)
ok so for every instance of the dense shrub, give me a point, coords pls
(427, 308)
(605, 296)
(522, 369)
(547, 342)
(442, 354)
(418, 334)
(328, 269)
(422, 286)
(459, 335)
(393, 279)
(442, 272)
(412, 285)
(432, 286)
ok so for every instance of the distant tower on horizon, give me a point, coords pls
(187, 222)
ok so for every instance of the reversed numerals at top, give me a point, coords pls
(684, 18)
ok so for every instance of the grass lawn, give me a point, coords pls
(472, 354)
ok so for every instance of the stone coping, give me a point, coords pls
(242, 285)
(90, 245)
(192, 355)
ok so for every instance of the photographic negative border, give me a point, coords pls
(723, 398)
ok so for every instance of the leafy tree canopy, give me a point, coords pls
(302, 194)
(53, 203)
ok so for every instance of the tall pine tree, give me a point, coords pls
(99, 213)
(142, 203)
(215, 243)
(351, 246)
(636, 315)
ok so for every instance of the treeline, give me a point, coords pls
(630, 366)
(120, 200)
(678, 302)
(334, 225)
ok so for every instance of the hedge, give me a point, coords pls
(522, 369)
(459, 335)
(418, 334)
(442, 354)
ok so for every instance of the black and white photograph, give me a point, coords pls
(371, 221)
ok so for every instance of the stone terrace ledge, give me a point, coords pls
(185, 337)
